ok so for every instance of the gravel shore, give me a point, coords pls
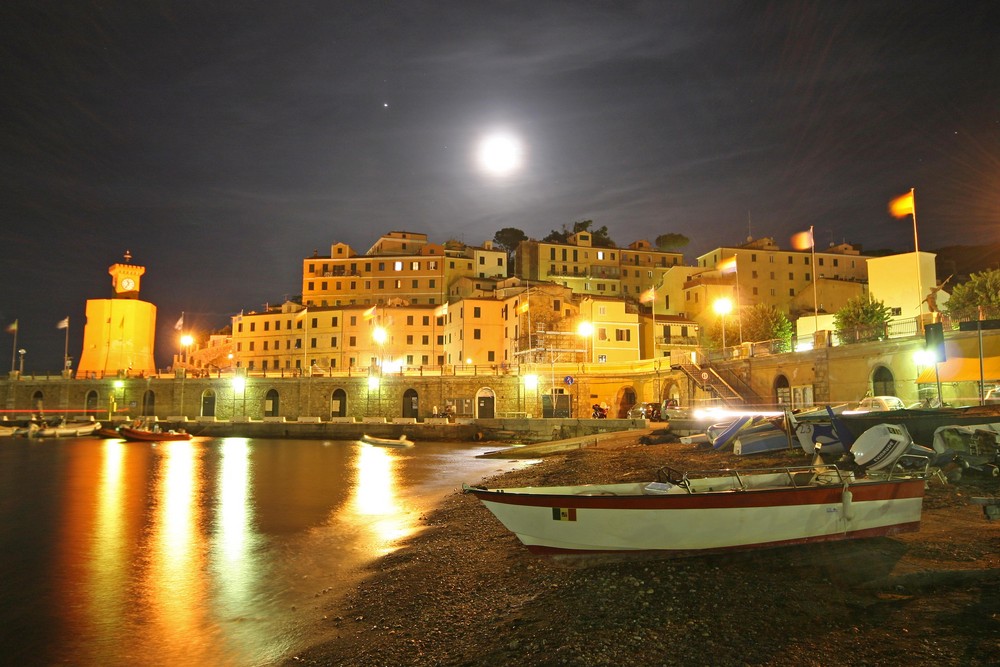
(464, 591)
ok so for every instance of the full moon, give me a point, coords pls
(500, 154)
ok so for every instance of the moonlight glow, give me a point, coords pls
(499, 154)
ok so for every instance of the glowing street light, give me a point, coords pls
(723, 307)
(586, 331)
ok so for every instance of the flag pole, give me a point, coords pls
(66, 348)
(812, 247)
(13, 351)
(916, 254)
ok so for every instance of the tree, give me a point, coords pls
(671, 241)
(861, 319)
(764, 322)
(508, 238)
(982, 290)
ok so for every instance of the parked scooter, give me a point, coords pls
(600, 412)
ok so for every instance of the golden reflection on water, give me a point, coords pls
(174, 585)
(374, 506)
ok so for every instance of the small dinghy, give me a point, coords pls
(403, 441)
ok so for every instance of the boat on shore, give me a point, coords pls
(402, 441)
(710, 511)
(149, 435)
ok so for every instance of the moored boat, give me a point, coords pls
(66, 430)
(147, 435)
(688, 513)
(402, 441)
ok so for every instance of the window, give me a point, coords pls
(425, 340)
(895, 312)
(409, 320)
(477, 311)
(333, 341)
(353, 341)
(623, 334)
(836, 262)
(791, 292)
(354, 320)
(414, 266)
(791, 276)
(267, 326)
(790, 259)
(600, 254)
(265, 345)
(477, 334)
(755, 291)
(770, 258)
(409, 340)
(491, 356)
(253, 325)
(753, 274)
(381, 266)
(753, 257)
(499, 263)
(381, 284)
(309, 286)
(808, 277)
(556, 305)
(821, 261)
(602, 333)
(772, 275)
(312, 342)
(426, 320)
(398, 284)
(482, 259)
(415, 284)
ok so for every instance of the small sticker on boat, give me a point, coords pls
(564, 514)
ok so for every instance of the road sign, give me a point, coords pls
(568, 379)
(704, 375)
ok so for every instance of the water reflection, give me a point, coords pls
(210, 551)
(173, 587)
(374, 508)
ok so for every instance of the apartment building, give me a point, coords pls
(399, 266)
(759, 272)
(594, 271)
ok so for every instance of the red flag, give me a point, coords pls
(803, 240)
(370, 313)
(12, 327)
(648, 295)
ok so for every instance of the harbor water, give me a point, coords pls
(222, 551)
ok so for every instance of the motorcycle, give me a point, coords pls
(599, 412)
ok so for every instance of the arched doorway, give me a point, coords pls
(411, 403)
(671, 392)
(148, 403)
(626, 399)
(38, 402)
(271, 406)
(883, 383)
(485, 404)
(208, 403)
(782, 391)
(338, 403)
(90, 403)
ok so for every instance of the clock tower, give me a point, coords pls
(118, 336)
(125, 278)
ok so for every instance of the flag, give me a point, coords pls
(180, 323)
(902, 206)
(648, 295)
(12, 327)
(63, 323)
(370, 313)
(523, 308)
(441, 310)
(727, 264)
(802, 240)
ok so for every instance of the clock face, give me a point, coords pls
(128, 284)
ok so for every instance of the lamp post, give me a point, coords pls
(586, 331)
(723, 307)
(239, 385)
(186, 341)
(20, 367)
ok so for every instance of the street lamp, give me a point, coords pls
(723, 307)
(586, 331)
(239, 386)
(186, 341)
(20, 368)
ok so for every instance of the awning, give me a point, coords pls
(963, 369)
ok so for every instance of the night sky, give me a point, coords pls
(223, 142)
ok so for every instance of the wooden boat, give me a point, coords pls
(688, 513)
(7, 431)
(147, 435)
(403, 441)
(722, 434)
(107, 432)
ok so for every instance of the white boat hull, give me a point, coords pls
(627, 517)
